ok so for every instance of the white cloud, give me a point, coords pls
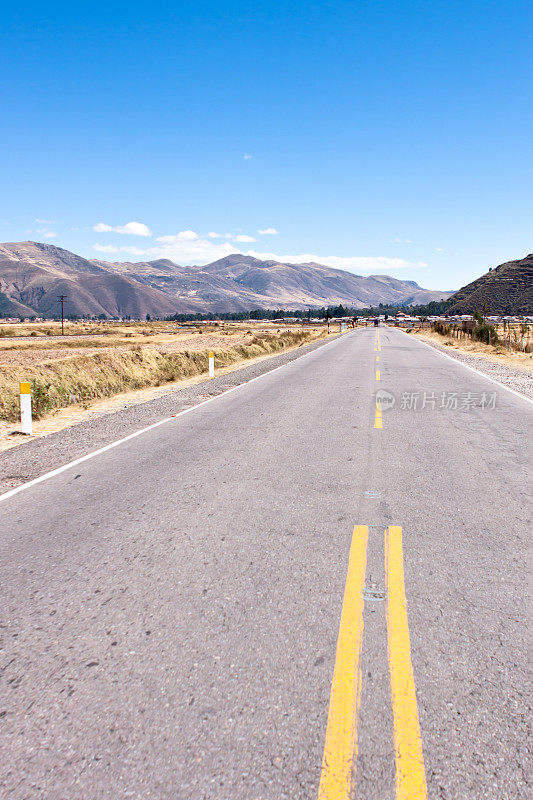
(45, 221)
(357, 264)
(267, 230)
(439, 250)
(46, 233)
(188, 236)
(242, 237)
(247, 156)
(402, 241)
(180, 250)
(213, 235)
(113, 248)
(130, 228)
(202, 250)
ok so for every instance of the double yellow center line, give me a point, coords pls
(340, 750)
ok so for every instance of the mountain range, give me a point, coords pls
(34, 274)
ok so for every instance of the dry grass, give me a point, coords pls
(497, 354)
(53, 328)
(23, 350)
(84, 377)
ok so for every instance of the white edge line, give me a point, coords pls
(466, 366)
(59, 470)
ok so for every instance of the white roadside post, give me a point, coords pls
(25, 408)
(211, 365)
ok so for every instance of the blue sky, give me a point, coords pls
(376, 136)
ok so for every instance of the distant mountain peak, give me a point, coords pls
(163, 262)
(234, 258)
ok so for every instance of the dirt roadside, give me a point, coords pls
(521, 361)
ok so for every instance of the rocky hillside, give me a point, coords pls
(506, 289)
(302, 285)
(32, 275)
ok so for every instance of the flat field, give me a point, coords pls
(92, 363)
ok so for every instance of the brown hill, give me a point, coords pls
(32, 274)
(301, 285)
(191, 288)
(507, 289)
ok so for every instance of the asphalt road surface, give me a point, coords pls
(291, 591)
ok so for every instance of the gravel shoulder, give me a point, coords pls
(520, 380)
(40, 455)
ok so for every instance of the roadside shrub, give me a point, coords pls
(442, 328)
(483, 332)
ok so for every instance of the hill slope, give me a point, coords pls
(239, 282)
(32, 275)
(507, 289)
(301, 285)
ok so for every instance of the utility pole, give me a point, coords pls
(62, 298)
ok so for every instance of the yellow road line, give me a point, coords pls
(340, 749)
(378, 420)
(410, 775)
(378, 375)
(377, 358)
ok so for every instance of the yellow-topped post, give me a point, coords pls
(25, 408)
(211, 365)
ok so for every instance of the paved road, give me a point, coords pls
(171, 608)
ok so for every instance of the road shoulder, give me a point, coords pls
(518, 379)
(42, 454)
